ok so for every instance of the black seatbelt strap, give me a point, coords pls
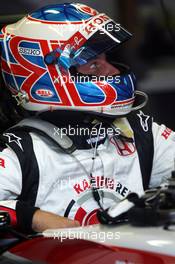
(21, 143)
(142, 128)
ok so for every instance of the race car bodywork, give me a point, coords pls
(96, 244)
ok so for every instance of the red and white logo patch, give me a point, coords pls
(123, 148)
(44, 93)
(166, 133)
(2, 163)
(87, 9)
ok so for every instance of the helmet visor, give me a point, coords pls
(108, 37)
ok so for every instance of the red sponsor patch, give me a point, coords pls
(95, 22)
(166, 133)
(87, 9)
(2, 163)
(44, 93)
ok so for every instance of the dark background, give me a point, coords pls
(150, 53)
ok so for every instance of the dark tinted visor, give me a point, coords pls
(108, 37)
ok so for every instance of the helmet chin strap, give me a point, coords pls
(141, 105)
(122, 112)
(133, 108)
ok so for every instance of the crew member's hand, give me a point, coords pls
(44, 220)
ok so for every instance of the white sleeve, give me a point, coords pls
(164, 154)
(10, 175)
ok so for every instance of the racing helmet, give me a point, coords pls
(40, 54)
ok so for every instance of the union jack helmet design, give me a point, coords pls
(39, 51)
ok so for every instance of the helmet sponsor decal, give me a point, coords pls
(44, 93)
(95, 23)
(86, 9)
(29, 51)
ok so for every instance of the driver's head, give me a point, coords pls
(55, 59)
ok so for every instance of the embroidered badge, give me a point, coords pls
(13, 138)
(143, 120)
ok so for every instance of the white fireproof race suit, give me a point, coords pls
(62, 185)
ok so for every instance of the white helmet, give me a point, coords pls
(40, 51)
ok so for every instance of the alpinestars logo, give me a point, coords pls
(143, 120)
(13, 138)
